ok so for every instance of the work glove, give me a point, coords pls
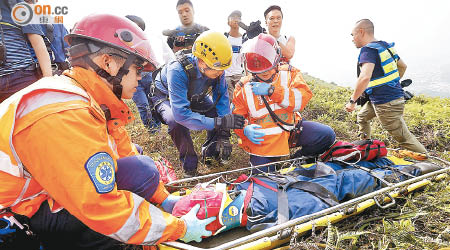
(223, 145)
(230, 121)
(260, 88)
(195, 228)
(168, 204)
(253, 134)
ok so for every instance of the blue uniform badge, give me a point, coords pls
(101, 170)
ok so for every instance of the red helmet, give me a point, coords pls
(261, 53)
(116, 32)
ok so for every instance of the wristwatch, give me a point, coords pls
(351, 101)
(271, 90)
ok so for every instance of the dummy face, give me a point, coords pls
(357, 34)
(266, 75)
(207, 71)
(274, 20)
(112, 66)
(233, 22)
(186, 14)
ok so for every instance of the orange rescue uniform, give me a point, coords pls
(49, 132)
(291, 94)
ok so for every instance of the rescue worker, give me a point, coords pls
(182, 100)
(379, 72)
(286, 93)
(67, 162)
(183, 37)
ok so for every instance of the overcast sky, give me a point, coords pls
(322, 28)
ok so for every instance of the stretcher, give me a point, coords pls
(280, 235)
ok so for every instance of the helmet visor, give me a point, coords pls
(256, 63)
(260, 56)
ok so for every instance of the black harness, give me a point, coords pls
(193, 95)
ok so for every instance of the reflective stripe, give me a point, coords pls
(13, 150)
(34, 195)
(284, 84)
(112, 145)
(385, 55)
(251, 104)
(158, 226)
(132, 224)
(24, 189)
(275, 130)
(298, 99)
(385, 79)
(7, 166)
(390, 67)
(29, 105)
(46, 98)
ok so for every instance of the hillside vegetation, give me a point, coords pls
(427, 117)
(421, 221)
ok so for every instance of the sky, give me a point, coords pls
(322, 28)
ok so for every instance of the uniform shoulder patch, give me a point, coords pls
(101, 170)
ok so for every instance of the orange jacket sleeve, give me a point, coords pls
(240, 108)
(297, 94)
(59, 148)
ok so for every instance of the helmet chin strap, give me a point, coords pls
(114, 80)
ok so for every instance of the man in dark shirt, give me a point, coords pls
(379, 73)
(183, 36)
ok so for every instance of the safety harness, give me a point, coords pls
(191, 74)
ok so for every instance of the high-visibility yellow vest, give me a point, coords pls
(388, 64)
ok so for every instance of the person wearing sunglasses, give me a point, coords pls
(69, 170)
(191, 94)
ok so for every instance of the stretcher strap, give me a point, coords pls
(247, 199)
(283, 204)
(317, 190)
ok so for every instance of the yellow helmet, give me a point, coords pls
(214, 49)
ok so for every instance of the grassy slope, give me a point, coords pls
(422, 220)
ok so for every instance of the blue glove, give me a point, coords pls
(169, 202)
(260, 88)
(253, 134)
(195, 228)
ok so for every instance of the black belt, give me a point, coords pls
(32, 66)
(159, 93)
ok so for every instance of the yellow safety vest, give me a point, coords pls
(388, 64)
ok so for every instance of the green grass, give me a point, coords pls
(420, 221)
